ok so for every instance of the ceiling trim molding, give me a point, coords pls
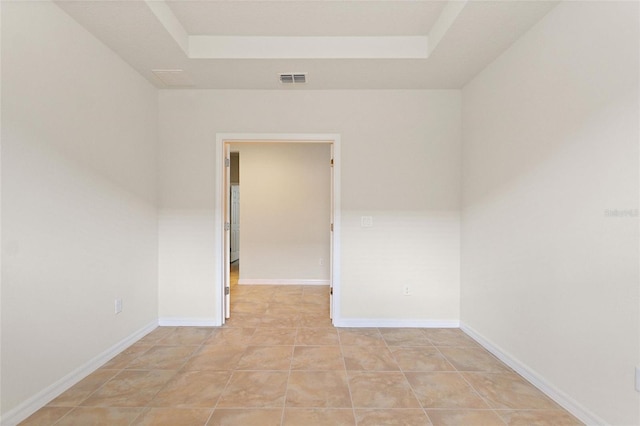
(270, 47)
(447, 17)
(168, 19)
(241, 47)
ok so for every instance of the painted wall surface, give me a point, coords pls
(550, 199)
(79, 221)
(400, 153)
(285, 211)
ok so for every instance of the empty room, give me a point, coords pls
(434, 220)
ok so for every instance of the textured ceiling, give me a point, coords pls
(238, 44)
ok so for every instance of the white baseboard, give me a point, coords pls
(568, 403)
(39, 400)
(188, 322)
(252, 281)
(395, 323)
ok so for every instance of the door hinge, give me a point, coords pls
(331, 291)
(227, 291)
(227, 162)
(227, 226)
(332, 162)
(331, 227)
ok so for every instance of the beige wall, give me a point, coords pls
(400, 153)
(550, 144)
(79, 222)
(285, 212)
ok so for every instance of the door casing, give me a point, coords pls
(223, 140)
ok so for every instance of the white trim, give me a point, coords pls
(221, 139)
(447, 18)
(568, 403)
(188, 322)
(292, 47)
(396, 323)
(170, 22)
(306, 47)
(40, 399)
(252, 281)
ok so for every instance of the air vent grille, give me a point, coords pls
(293, 77)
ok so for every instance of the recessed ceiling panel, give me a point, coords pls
(473, 36)
(307, 18)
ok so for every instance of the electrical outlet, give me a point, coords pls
(366, 221)
(407, 290)
(118, 305)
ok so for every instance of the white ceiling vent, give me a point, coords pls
(293, 77)
(173, 78)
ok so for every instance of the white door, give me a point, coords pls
(227, 228)
(331, 240)
(235, 222)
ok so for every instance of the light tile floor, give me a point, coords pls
(279, 361)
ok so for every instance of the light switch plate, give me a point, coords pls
(366, 221)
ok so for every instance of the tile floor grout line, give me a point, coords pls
(286, 389)
(65, 415)
(146, 408)
(415, 395)
(346, 375)
(402, 371)
(215, 407)
(201, 346)
(78, 404)
(138, 417)
(459, 372)
(424, 410)
(178, 371)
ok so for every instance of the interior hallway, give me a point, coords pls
(279, 361)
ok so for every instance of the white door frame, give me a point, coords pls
(224, 138)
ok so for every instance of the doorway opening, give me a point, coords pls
(225, 144)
